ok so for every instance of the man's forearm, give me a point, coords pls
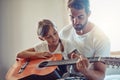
(94, 74)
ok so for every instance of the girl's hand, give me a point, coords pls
(44, 55)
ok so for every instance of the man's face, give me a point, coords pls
(79, 18)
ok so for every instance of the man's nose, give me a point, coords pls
(75, 21)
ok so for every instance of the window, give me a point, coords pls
(106, 14)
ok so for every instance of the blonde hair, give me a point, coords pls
(43, 27)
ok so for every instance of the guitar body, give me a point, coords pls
(33, 71)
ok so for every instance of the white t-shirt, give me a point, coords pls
(68, 48)
(93, 43)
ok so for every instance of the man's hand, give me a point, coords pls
(82, 63)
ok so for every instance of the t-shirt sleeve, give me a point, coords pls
(41, 47)
(37, 47)
(65, 32)
(69, 47)
(102, 48)
(62, 34)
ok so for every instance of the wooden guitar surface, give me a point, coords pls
(31, 68)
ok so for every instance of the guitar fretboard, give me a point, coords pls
(107, 60)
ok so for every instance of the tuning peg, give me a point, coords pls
(113, 66)
(107, 66)
(118, 65)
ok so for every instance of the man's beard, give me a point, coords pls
(79, 27)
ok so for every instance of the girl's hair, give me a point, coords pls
(43, 28)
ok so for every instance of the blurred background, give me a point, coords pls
(19, 19)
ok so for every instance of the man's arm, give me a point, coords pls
(95, 73)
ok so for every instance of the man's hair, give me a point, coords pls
(79, 4)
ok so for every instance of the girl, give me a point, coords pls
(50, 44)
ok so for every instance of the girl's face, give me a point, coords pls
(52, 37)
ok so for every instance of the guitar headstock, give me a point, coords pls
(113, 61)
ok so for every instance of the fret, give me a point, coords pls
(62, 62)
(107, 60)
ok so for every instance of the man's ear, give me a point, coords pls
(89, 13)
(41, 38)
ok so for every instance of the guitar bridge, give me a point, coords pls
(23, 67)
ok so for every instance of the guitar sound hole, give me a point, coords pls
(43, 64)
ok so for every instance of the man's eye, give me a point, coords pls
(55, 33)
(80, 17)
(72, 17)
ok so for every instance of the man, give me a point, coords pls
(88, 39)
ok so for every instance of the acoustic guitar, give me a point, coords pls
(45, 69)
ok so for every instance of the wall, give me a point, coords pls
(106, 14)
(18, 24)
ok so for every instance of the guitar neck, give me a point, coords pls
(63, 62)
(106, 60)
